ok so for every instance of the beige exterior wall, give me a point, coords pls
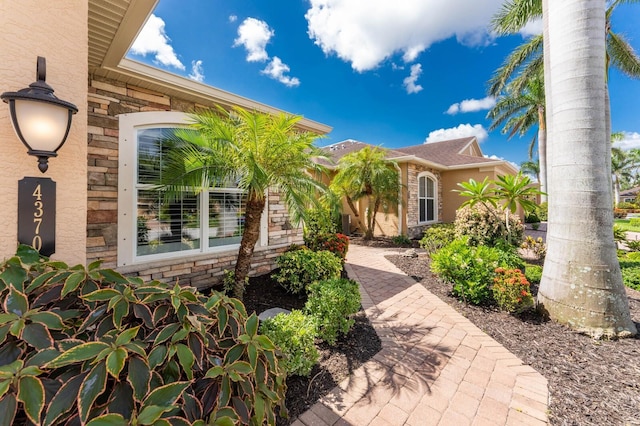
(451, 200)
(56, 30)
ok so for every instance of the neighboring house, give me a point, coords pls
(629, 195)
(429, 174)
(106, 206)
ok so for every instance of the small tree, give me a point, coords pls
(259, 151)
(367, 174)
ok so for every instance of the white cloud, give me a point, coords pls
(153, 40)
(254, 35)
(462, 131)
(233, 18)
(410, 81)
(472, 105)
(197, 72)
(631, 140)
(532, 28)
(366, 32)
(277, 70)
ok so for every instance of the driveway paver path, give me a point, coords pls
(435, 366)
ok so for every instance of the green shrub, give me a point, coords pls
(294, 335)
(542, 211)
(471, 269)
(317, 222)
(401, 240)
(531, 218)
(486, 225)
(533, 273)
(619, 234)
(634, 221)
(626, 205)
(633, 245)
(299, 269)
(511, 290)
(437, 236)
(114, 348)
(332, 302)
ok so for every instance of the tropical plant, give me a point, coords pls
(623, 165)
(256, 150)
(511, 290)
(294, 335)
(91, 346)
(332, 303)
(531, 168)
(437, 236)
(301, 268)
(526, 62)
(516, 191)
(518, 110)
(471, 269)
(584, 254)
(485, 226)
(368, 174)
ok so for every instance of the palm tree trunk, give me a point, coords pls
(542, 153)
(253, 215)
(368, 233)
(581, 283)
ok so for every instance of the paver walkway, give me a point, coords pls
(435, 366)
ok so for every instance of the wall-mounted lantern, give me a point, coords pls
(39, 118)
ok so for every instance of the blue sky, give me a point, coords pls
(390, 73)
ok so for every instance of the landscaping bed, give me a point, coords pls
(336, 362)
(590, 382)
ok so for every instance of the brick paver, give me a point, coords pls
(435, 366)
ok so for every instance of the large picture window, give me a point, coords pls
(427, 205)
(150, 225)
(179, 225)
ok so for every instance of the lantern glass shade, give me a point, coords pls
(42, 125)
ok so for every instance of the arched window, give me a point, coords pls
(427, 198)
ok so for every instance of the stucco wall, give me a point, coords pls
(450, 179)
(56, 30)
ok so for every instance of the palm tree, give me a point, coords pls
(527, 61)
(516, 191)
(531, 168)
(622, 166)
(367, 174)
(581, 282)
(518, 110)
(258, 152)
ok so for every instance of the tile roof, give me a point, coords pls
(445, 153)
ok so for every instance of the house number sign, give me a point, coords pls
(37, 214)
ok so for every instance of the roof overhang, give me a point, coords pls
(113, 27)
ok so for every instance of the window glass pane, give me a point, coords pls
(430, 188)
(151, 152)
(164, 227)
(431, 213)
(423, 214)
(226, 217)
(421, 189)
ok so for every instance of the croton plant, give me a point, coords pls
(89, 346)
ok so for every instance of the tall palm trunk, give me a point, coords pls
(542, 153)
(353, 208)
(581, 282)
(253, 215)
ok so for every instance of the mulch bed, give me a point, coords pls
(336, 362)
(590, 382)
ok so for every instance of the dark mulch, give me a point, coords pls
(335, 363)
(591, 382)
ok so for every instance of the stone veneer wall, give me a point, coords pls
(107, 99)
(413, 229)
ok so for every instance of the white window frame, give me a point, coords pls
(428, 175)
(129, 125)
